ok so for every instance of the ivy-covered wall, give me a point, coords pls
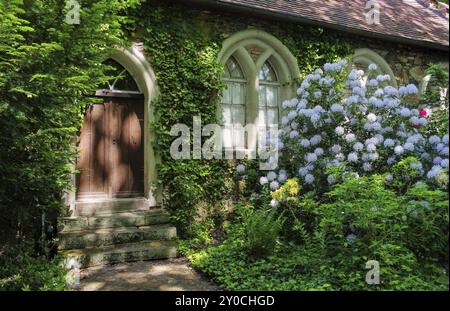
(182, 44)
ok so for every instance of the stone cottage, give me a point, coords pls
(262, 48)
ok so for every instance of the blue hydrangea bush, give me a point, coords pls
(356, 121)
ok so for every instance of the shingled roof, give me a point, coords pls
(407, 21)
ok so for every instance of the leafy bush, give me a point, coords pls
(47, 69)
(262, 230)
(360, 219)
(21, 270)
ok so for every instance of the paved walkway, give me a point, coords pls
(158, 275)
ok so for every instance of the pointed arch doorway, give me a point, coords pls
(116, 155)
(111, 141)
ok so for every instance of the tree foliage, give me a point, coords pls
(48, 70)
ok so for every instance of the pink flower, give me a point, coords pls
(423, 113)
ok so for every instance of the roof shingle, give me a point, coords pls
(402, 19)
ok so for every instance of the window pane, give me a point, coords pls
(227, 116)
(234, 69)
(272, 116)
(237, 94)
(272, 96)
(226, 94)
(262, 96)
(262, 117)
(267, 73)
(239, 114)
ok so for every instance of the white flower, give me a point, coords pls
(274, 185)
(331, 179)
(305, 143)
(263, 180)
(416, 165)
(350, 137)
(240, 169)
(408, 147)
(391, 91)
(282, 176)
(378, 93)
(434, 140)
(373, 156)
(309, 179)
(358, 146)
(340, 157)
(352, 157)
(372, 83)
(315, 139)
(367, 167)
(336, 148)
(271, 176)
(437, 160)
(318, 152)
(376, 126)
(389, 143)
(280, 145)
(311, 157)
(414, 120)
(314, 118)
(398, 150)
(389, 177)
(411, 89)
(434, 172)
(371, 147)
(337, 108)
(274, 203)
(390, 160)
(303, 171)
(286, 104)
(371, 117)
(402, 91)
(405, 112)
(293, 134)
(292, 115)
(317, 94)
(302, 104)
(373, 67)
(340, 130)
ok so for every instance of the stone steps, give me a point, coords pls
(144, 250)
(112, 236)
(116, 220)
(115, 231)
(107, 207)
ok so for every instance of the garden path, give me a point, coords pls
(156, 275)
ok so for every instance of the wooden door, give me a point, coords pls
(111, 150)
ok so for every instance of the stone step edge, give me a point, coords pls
(101, 207)
(115, 236)
(101, 221)
(129, 252)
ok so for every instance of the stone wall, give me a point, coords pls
(409, 63)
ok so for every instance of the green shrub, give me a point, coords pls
(359, 220)
(262, 230)
(21, 270)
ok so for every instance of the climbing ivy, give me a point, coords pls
(182, 44)
(48, 70)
